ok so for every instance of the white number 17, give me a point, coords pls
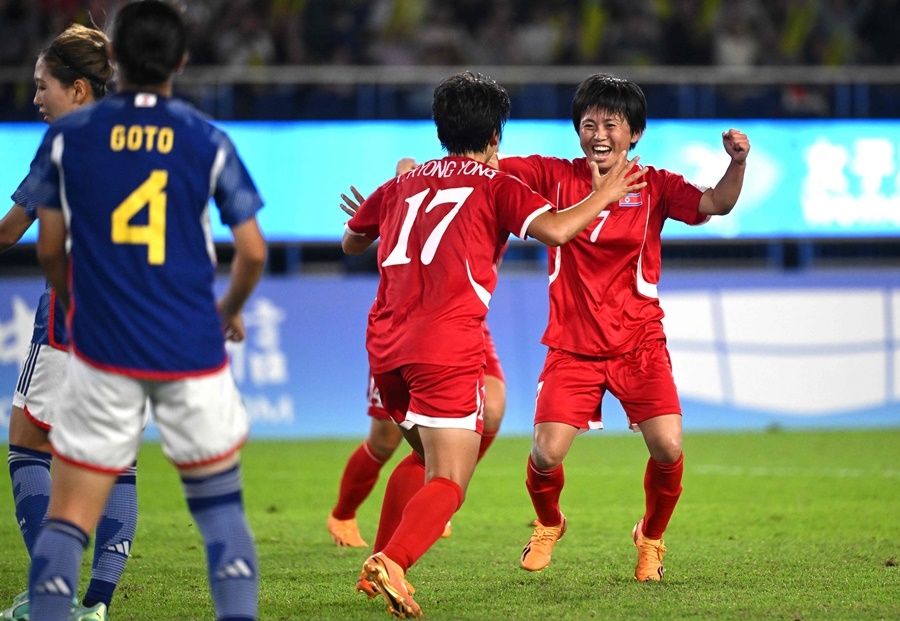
(457, 196)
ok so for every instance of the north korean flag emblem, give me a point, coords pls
(632, 199)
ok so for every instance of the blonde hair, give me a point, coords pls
(80, 52)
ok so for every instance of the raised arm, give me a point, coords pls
(720, 200)
(555, 229)
(354, 243)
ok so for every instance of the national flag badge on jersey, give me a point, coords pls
(144, 100)
(632, 199)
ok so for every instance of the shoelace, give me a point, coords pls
(658, 550)
(543, 534)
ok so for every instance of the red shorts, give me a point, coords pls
(571, 387)
(434, 395)
(376, 409)
(493, 368)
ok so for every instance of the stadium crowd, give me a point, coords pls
(591, 33)
(410, 32)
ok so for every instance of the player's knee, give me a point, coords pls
(493, 413)
(546, 457)
(384, 448)
(667, 449)
(24, 433)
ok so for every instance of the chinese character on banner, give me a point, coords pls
(15, 334)
(261, 354)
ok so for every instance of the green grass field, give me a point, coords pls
(779, 525)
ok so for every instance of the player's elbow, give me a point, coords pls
(721, 209)
(353, 244)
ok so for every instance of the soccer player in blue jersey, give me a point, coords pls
(71, 72)
(128, 182)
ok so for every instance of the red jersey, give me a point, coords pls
(603, 299)
(443, 227)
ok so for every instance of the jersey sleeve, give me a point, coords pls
(20, 197)
(682, 199)
(42, 184)
(529, 169)
(367, 217)
(234, 191)
(540, 173)
(517, 204)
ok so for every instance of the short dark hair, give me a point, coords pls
(468, 109)
(616, 95)
(150, 39)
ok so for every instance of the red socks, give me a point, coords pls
(406, 479)
(662, 488)
(544, 487)
(487, 438)
(424, 518)
(360, 476)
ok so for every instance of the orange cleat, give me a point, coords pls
(346, 533)
(650, 556)
(387, 579)
(536, 554)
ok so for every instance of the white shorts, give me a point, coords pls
(100, 418)
(39, 382)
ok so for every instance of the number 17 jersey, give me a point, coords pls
(443, 227)
(133, 175)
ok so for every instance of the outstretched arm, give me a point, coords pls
(13, 225)
(720, 200)
(555, 229)
(353, 243)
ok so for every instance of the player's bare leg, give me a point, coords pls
(23, 432)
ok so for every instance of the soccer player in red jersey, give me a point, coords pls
(605, 330)
(364, 465)
(442, 227)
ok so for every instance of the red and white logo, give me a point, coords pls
(632, 199)
(144, 100)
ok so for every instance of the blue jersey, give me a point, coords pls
(49, 328)
(133, 175)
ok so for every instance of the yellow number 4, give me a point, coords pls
(152, 234)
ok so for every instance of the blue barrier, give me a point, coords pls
(750, 350)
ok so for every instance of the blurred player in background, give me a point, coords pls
(605, 331)
(144, 321)
(443, 227)
(364, 466)
(72, 71)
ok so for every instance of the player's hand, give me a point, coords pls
(737, 145)
(405, 164)
(232, 323)
(349, 205)
(617, 182)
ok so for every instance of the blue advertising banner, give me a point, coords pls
(805, 179)
(750, 350)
